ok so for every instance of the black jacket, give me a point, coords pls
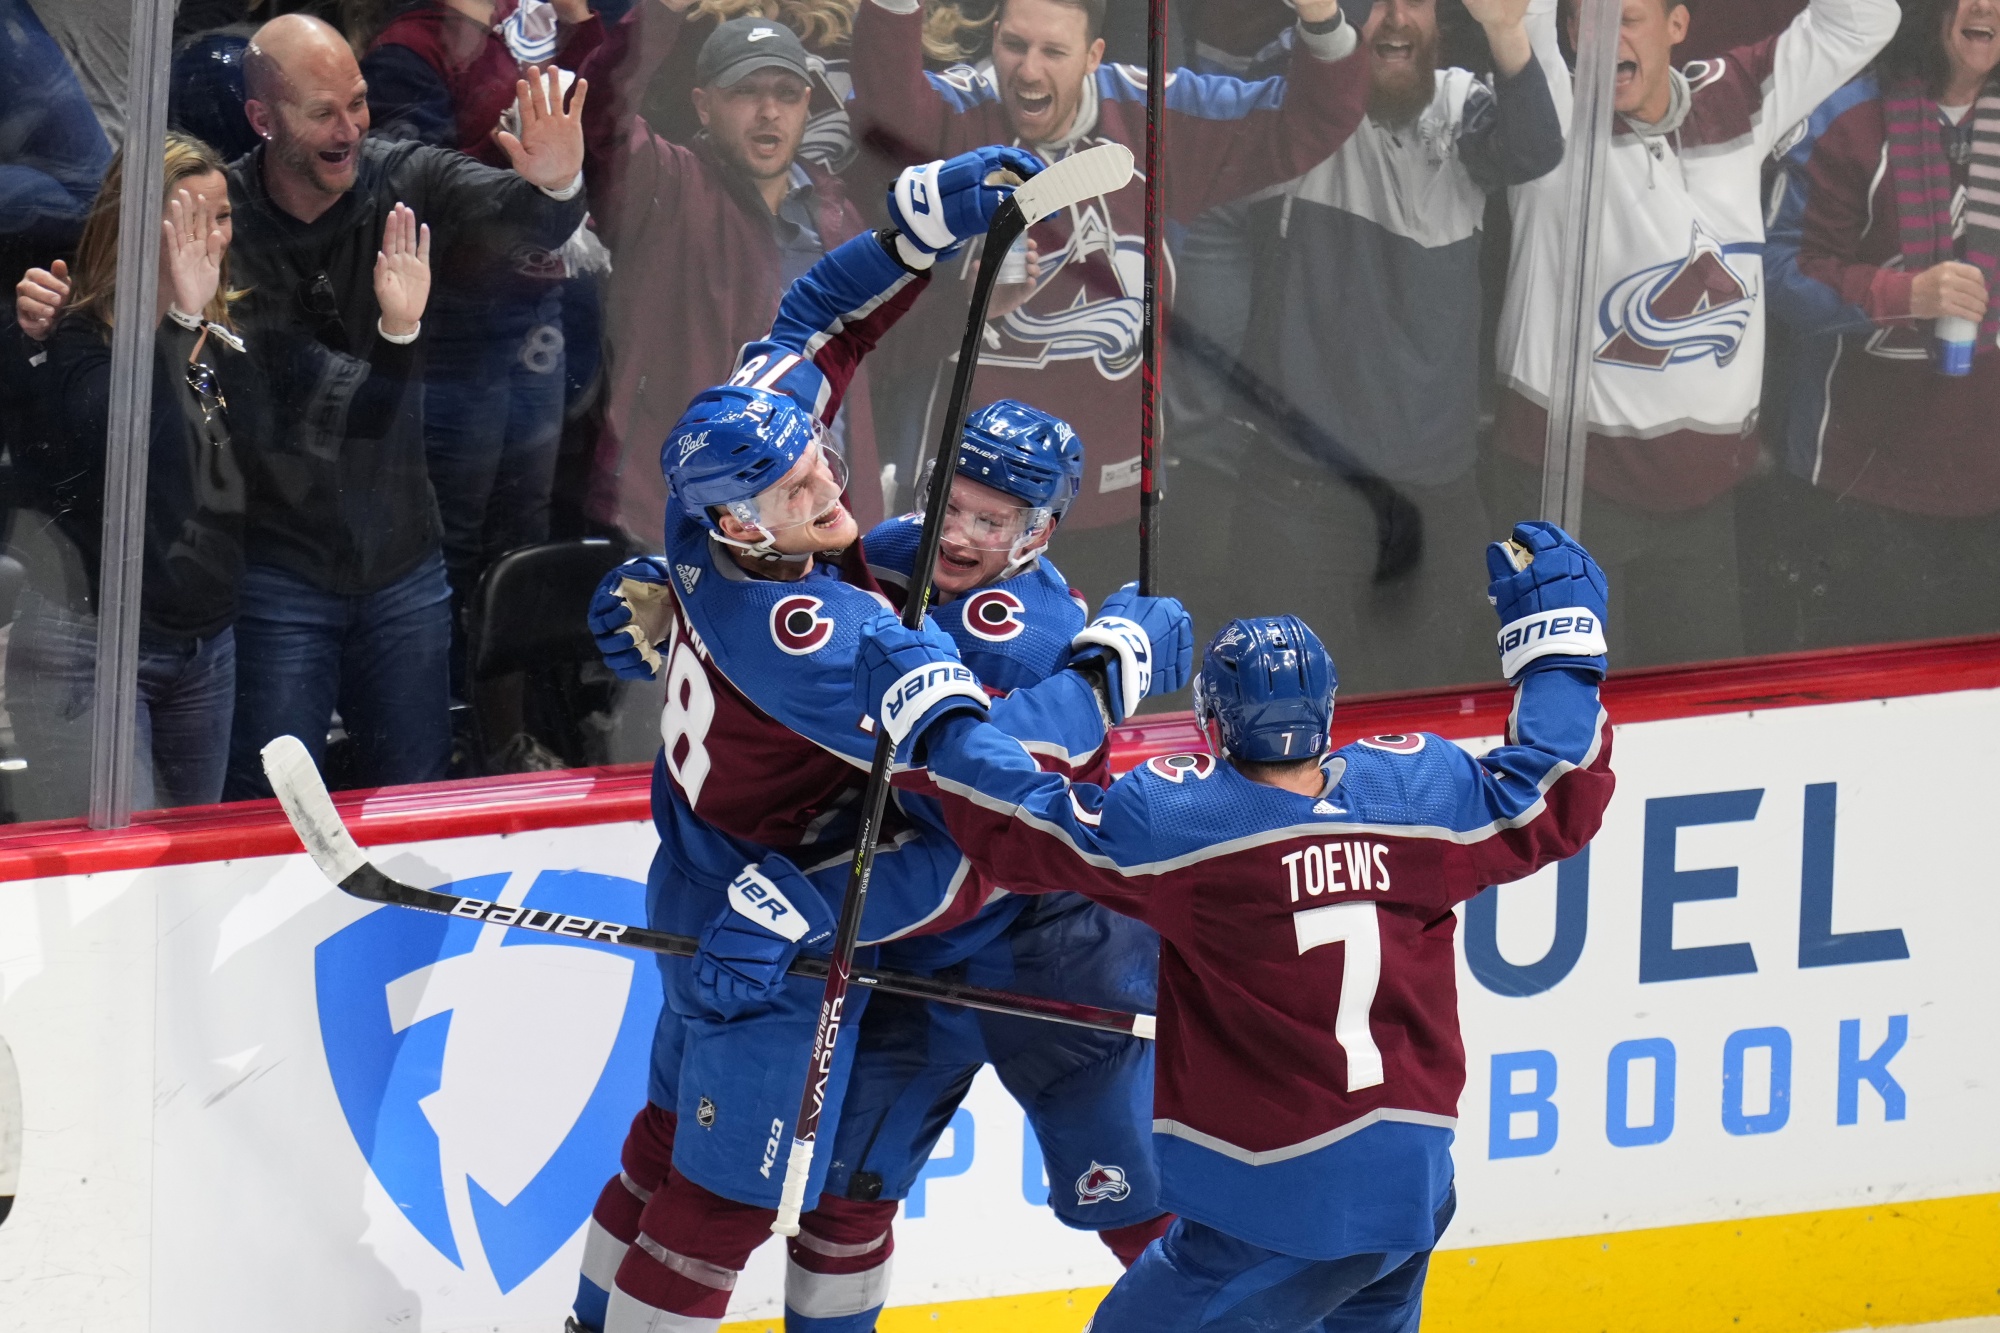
(339, 495)
(193, 550)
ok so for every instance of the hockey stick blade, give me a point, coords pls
(1104, 169)
(332, 848)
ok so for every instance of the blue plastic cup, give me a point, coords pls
(1956, 340)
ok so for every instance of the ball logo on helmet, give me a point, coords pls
(688, 444)
(1180, 767)
(1395, 743)
(797, 627)
(995, 615)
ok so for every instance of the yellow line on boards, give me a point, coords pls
(1824, 1272)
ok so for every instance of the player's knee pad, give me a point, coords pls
(1129, 1242)
(837, 1269)
(681, 1268)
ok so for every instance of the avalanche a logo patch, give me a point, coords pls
(797, 625)
(995, 615)
(488, 1076)
(1180, 767)
(1103, 1184)
(1395, 743)
(1696, 307)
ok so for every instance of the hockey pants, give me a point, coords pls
(1196, 1279)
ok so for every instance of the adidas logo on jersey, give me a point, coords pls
(1327, 808)
(690, 575)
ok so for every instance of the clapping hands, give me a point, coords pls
(39, 298)
(403, 272)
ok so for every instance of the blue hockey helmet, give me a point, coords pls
(1024, 452)
(731, 448)
(1267, 686)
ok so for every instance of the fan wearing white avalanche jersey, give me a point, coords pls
(1087, 1095)
(1310, 1061)
(1678, 340)
(751, 617)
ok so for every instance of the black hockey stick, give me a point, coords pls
(1095, 171)
(1149, 331)
(333, 849)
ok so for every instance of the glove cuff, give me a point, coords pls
(1134, 650)
(1570, 631)
(753, 896)
(916, 693)
(919, 207)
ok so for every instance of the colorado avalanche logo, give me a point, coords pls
(1674, 313)
(1103, 1184)
(1395, 743)
(995, 616)
(797, 626)
(1089, 304)
(1180, 767)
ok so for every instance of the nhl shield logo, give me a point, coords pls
(704, 1114)
(1102, 1184)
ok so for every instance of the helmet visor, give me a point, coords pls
(977, 517)
(807, 493)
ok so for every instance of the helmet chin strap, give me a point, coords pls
(1027, 549)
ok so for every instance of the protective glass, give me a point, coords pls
(806, 494)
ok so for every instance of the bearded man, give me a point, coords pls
(1366, 333)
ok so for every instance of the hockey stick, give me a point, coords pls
(1095, 171)
(1149, 333)
(333, 849)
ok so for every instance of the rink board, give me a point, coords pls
(252, 1102)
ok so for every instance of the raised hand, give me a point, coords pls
(1506, 27)
(192, 247)
(938, 206)
(403, 272)
(39, 298)
(549, 149)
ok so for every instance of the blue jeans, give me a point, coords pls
(493, 415)
(185, 693)
(1196, 1279)
(379, 657)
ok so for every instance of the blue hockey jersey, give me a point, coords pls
(1309, 1061)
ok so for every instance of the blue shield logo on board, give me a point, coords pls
(488, 1075)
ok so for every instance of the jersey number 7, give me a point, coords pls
(1354, 925)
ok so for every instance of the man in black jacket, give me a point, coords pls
(345, 603)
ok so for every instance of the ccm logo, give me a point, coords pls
(771, 1148)
(552, 923)
(1318, 868)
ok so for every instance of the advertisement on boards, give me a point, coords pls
(252, 1101)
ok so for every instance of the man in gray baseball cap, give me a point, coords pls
(753, 93)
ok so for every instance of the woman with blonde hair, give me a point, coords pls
(208, 405)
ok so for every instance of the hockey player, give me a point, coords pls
(1087, 1095)
(751, 618)
(1309, 1052)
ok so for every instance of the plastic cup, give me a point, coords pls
(1014, 268)
(1956, 340)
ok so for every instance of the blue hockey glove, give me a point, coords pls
(773, 912)
(1144, 644)
(940, 205)
(910, 680)
(1551, 598)
(631, 612)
